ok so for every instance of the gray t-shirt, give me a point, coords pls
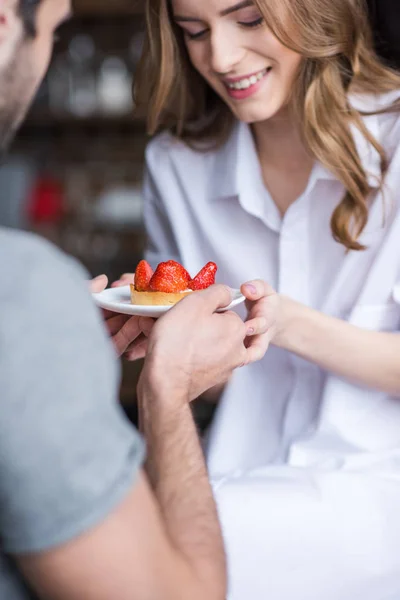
(68, 456)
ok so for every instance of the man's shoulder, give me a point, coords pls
(59, 381)
(32, 267)
(27, 253)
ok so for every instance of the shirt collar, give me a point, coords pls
(231, 162)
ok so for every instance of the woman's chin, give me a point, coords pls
(258, 114)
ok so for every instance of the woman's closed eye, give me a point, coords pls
(255, 23)
(195, 36)
(198, 35)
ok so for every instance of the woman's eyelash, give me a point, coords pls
(200, 34)
(255, 23)
(196, 36)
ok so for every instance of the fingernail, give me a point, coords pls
(250, 331)
(251, 288)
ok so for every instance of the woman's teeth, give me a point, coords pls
(245, 83)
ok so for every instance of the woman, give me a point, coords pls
(280, 160)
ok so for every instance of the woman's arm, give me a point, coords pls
(369, 358)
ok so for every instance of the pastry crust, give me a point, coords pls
(156, 298)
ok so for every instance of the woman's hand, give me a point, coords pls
(129, 334)
(264, 317)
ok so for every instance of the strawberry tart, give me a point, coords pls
(169, 283)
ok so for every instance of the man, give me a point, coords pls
(79, 517)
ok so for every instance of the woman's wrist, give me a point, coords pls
(293, 318)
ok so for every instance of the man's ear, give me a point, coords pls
(11, 29)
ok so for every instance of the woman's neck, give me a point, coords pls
(286, 165)
(279, 143)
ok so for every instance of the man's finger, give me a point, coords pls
(98, 284)
(137, 350)
(146, 325)
(125, 336)
(215, 297)
(107, 314)
(116, 322)
(125, 279)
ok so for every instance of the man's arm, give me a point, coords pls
(129, 556)
(162, 543)
(178, 475)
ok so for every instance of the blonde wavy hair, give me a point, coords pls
(335, 41)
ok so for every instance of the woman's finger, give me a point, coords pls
(256, 289)
(256, 348)
(256, 326)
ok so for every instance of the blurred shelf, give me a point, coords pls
(105, 8)
(69, 124)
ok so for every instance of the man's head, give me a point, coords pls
(26, 41)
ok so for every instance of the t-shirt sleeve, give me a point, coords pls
(161, 242)
(68, 456)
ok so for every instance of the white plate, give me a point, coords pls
(119, 300)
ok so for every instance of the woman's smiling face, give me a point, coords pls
(230, 45)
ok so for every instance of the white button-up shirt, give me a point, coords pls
(215, 206)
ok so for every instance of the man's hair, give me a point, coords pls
(27, 10)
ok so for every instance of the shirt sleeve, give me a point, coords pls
(161, 242)
(68, 456)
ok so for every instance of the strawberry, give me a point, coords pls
(169, 277)
(204, 278)
(143, 274)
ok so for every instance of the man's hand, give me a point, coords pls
(125, 279)
(98, 284)
(193, 348)
(129, 338)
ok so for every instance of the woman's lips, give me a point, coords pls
(246, 87)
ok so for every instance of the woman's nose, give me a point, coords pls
(225, 53)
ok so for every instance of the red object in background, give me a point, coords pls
(46, 203)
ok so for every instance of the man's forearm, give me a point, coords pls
(178, 475)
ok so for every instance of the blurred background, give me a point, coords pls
(74, 172)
